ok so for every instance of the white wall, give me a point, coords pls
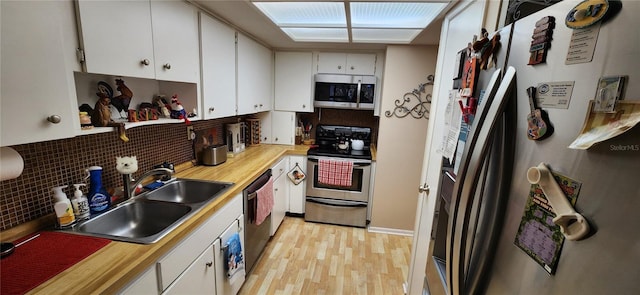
(400, 140)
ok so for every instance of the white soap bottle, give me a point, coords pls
(62, 206)
(80, 203)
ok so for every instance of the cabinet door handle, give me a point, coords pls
(145, 62)
(167, 66)
(424, 188)
(209, 264)
(55, 119)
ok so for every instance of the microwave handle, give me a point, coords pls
(358, 93)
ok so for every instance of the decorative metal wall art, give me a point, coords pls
(413, 103)
(520, 8)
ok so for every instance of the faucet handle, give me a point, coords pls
(165, 165)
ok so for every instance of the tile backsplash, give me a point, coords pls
(61, 162)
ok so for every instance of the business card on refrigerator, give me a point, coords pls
(554, 95)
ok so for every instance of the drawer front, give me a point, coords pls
(175, 262)
(280, 168)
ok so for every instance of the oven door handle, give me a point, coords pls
(337, 203)
(355, 164)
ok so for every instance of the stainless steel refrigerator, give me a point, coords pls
(484, 247)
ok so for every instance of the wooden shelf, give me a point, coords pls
(129, 125)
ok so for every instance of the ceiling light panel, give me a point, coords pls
(390, 36)
(394, 14)
(304, 14)
(339, 35)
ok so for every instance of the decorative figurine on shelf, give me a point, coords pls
(162, 105)
(178, 111)
(101, 116)
(122, 101)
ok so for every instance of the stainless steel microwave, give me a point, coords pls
(344, 91)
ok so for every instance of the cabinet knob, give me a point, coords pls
(424, 188)
(276, 139)
(260, 105)
(211, 109)
(265, 138)
(209, 264)
(255, 106)
(339, 67)
(275, 189)
(352, 67)
(167, 66)
(304, 106)
(145, 62)
(55, 119)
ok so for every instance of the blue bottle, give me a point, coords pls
(99, 199)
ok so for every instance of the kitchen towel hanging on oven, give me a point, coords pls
(264, 197)
(335, 172)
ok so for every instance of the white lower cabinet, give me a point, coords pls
(297, 193)
(226, 285)
(280, 193)
(145, 284)
(198, 278)
(196, 265)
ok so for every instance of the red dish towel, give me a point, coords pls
(335, 172)
(264, 195)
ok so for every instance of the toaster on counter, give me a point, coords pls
(214, 155)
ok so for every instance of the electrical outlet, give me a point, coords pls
(191, 135)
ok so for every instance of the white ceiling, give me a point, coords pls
(244, 16)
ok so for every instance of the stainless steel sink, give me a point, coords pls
(152, 215)
(188, 191)
(142, 221)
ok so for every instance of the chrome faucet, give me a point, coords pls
(129, 186)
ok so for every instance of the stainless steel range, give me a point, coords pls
(344, 203)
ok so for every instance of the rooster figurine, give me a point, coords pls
(101, 116)
(122, 101)
(177, 110)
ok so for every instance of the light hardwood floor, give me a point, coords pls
(313, 258)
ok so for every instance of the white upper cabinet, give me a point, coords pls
(154, 40)
(283, 127)
(218, 48)
(255, 76)
(347, 63)
(116, 37)
(38, 60)
(293, 81)
(277, 127)
(175, 41)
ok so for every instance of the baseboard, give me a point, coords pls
(300, 215)
(391, 231)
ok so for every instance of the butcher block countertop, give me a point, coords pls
(114, 266)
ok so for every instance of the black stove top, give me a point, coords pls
(329, 137)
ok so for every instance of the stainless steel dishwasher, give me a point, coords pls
(255, 236)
